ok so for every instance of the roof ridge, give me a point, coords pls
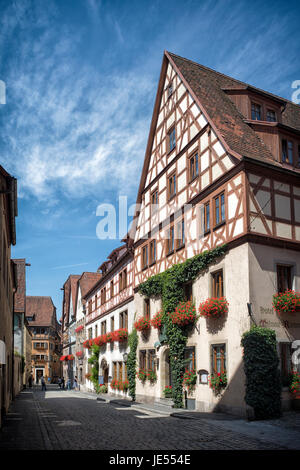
(234, 79)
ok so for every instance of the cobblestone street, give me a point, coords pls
(60, 419)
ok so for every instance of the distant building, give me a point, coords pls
(46, 339)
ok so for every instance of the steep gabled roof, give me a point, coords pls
(86, 282)
(43, 310)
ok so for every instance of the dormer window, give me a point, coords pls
(172, 139)
(255, 112)
(271, 115)
(287, 151)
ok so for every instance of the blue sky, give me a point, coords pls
(81, 78)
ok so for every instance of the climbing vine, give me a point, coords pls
(131, 362)
(94, 361)
(169, 285)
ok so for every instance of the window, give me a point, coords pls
(284, 278)
(123, 280)
(255, 111)
(90, 333)
(103, 295)
(115, 369)
(152, 251)
(123, 319)
(170, 89)
(111, 289)
(172, 139)
(112, 324)
(120, 282)
(154, 201)
(151, 360)
(147, 308)
(219, 209)
(287, 151)
(218, 358)
(180, 234)
(90, 306)
(96, 300)
(172, 185)
(103, 328)
(142, 360)
(170, 240)
(96, 331)
(189, 358)
(217, 284)
(188, 291)
(120, 375)
(194, 166)
(271, 115)
(206, 218)
(145, 257)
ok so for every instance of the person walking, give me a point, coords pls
(30, 381)
(69, 384)
(76, 383)
(59, 382)
(63, 383)
(43, 383)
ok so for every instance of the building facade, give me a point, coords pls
(109, 309)
(46, 338)
(221, 167)
(8, 213)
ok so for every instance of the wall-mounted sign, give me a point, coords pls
(203, 376)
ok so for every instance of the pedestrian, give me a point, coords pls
(30, 381)
(68, 384)
(59, 382)
(63, 382)
(76, 383)
(43, 383)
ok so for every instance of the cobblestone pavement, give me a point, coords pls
(60, 419)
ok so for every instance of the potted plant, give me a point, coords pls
(151, 376)
(101, 388)
(184, 314)
(121, 335)
(218, 382)
(295, 390)
(142, 324)
(167, 391)
(286, 302)
(189, 379)
(156, 321)
(214, 307)
(142, 375)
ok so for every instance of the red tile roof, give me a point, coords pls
(43, 310)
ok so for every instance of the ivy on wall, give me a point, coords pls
(131, 362)
(94, 361)
(263, 384)
(169, 285)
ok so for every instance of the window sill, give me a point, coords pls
(152, 264)
(219, 225)
(180, 247)
(193, 179)
(170, 253)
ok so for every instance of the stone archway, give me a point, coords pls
(104, 371)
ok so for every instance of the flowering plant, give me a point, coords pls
(100, 340)
(151, 376)
(79, 353)
(62, 358)
(114, 384)
(142, 324)
(295, 383)
(288, 301)
(218, 381)
(109, 337)
(88, 376)
(214, 307)
(142, 375)
(79, 328)
(101, 388)
(189, 379)
(70, 357)
(168, 391)
(184, 314)
(86, 344)
(156, 321)
(121, 334)
(123, 385)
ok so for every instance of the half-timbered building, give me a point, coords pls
(109, 310)
(221, 166)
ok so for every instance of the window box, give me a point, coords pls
(184, 314)
(218, 382)
(156, 321)
(214, 308)
(189, 379)
(79, 353)
(287, 302)
(121, 335)
(80, 328)
(142, 324)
